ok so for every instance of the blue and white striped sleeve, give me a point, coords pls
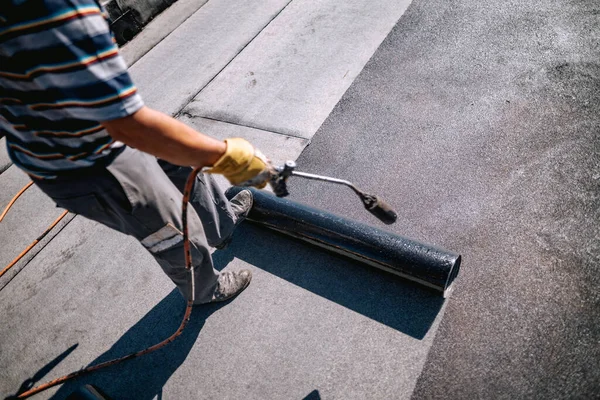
(66, 62)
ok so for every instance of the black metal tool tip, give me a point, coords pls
(384, 212)
(379, 208)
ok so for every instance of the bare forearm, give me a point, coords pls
(164, 137)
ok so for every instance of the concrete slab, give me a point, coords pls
(175, 70)
(39, 246)
(28, 218)
(291, 76)
(159, 28)
(4, 159)
(279, 148)
(309, 322)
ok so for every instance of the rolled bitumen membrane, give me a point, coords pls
(426, 265)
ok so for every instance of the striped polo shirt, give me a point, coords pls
(60, 75)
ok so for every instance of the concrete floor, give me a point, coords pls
(477, 122)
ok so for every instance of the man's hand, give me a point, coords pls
(243, 165)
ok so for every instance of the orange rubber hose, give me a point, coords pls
(36, 241)
(15, 199)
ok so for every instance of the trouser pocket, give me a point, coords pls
(108, 208)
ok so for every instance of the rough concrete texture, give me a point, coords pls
(165, 23)
(39, 246)
(176, 69)
(4, 159)
(30, 215)
(87, 277)
(289, 79)
(479, 122)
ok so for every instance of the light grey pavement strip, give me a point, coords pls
(160, 27)
(22, 263)
(280, 147)
(291, 76)
(31, 214)
(175, 70)
(4, 159)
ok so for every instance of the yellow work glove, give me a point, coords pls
(243, 165)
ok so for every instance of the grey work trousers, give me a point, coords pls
(140, 196)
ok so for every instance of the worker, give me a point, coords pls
(75, 123)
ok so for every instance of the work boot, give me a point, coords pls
(230, 284)
(241, 204)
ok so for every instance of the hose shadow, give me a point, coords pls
(143, 378)
(375, 294)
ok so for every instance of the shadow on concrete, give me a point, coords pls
(38, 376)
(143, 378)
(373, 293)
(314, 395)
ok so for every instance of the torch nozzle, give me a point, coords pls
(376, 206)
(379, 208)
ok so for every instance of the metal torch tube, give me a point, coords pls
(426, 265)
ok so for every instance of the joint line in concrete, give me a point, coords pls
(37, 249)
(191, 116)
(190, 98)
